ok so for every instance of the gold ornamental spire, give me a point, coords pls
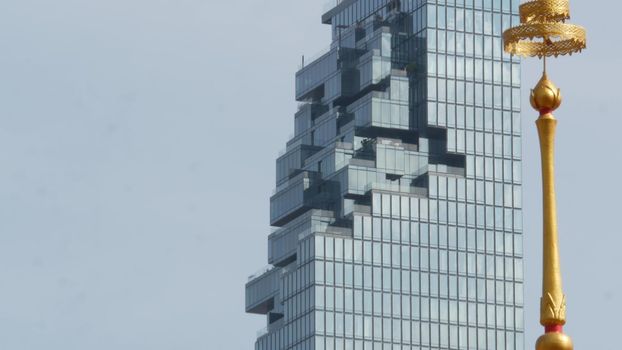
(543, 33)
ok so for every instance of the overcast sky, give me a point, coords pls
(137, 147)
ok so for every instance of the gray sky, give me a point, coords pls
(137, 147)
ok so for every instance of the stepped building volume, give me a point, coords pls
(397, 210)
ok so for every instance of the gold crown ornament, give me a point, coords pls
(543, 32)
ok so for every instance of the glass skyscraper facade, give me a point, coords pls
(397, 209)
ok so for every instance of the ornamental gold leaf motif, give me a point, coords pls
(553, 310)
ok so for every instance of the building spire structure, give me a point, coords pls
(543, 33)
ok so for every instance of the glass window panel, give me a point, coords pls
(441, 22)
(431, 15)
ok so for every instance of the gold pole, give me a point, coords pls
(545, 98)
(545, 20)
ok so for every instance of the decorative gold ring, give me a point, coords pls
(557, 39)
(544, 11)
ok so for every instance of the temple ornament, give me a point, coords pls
(542, 33)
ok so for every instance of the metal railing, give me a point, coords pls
(395, 188)
(260, 272)
(308, 59)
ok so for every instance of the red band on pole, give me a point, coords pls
(556, 328)
(544, 111)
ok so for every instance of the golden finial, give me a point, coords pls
(543, 33)
(545, 96)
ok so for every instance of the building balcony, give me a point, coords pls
(261, 291)
(283, 243)
(310, 79)
(375, 110)
(293, 199)
(292, 161)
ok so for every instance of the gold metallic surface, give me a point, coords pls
(555, 39)
(552, 304)
(543, 31)
(545, 95)
(554, 341)
(544, 11)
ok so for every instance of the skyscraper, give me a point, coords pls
(397, 209)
